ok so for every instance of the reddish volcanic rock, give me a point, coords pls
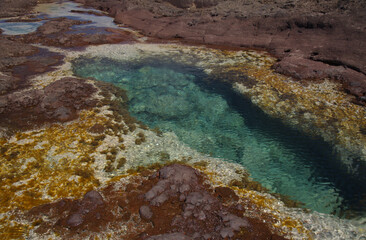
(58, 32)
(59, 101)
(18, 61)
(40, 62)
(172, 203)
(353, 82)
(14, 53)
(193, 3)
(16, 8)
(89, 12)
(58, 25)
(311, 40)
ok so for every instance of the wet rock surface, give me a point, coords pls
(60, 101)
(192, 3)
(329, 37)
(61, 32)
(10, 8)
(19, 61)
(171, 203)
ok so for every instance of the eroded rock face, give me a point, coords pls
(60, 101)
(172, 203)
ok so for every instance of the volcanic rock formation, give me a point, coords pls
(312, 40)
(171, 203)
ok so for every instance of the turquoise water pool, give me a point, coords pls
(212, 118)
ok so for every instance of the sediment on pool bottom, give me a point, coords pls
(212, 118)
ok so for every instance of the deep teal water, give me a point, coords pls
(212, 118)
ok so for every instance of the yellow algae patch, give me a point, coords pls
(319, 108)
(316, 107)
(12, 230)
(39, 166)
(263, 206)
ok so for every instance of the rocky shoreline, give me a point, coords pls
(170, 203)
(82, 127)
(312, 40)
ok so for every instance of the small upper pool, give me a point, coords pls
(66, 9)
(16, 28)
(212, 118)
(71, 10)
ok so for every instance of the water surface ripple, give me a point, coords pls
(211, 118)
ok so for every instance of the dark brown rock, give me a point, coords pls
(58, 32)
(75, 220)
(312, 40)
(226, 194)
(353, 82)
(93, 197)
(97, 128)
(89, 12)
(13, 8)
(170, 236)
(190, 211)
(10, 8)
(19, 61)
(181, 3)
(60, 101)
(7, 83)
(145, 212)
(193, 3)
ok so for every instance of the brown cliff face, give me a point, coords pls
(312, 40)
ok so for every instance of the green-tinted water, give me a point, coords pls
(212, 118)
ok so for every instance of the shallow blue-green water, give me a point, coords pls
(211, 118)
(17, 28)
